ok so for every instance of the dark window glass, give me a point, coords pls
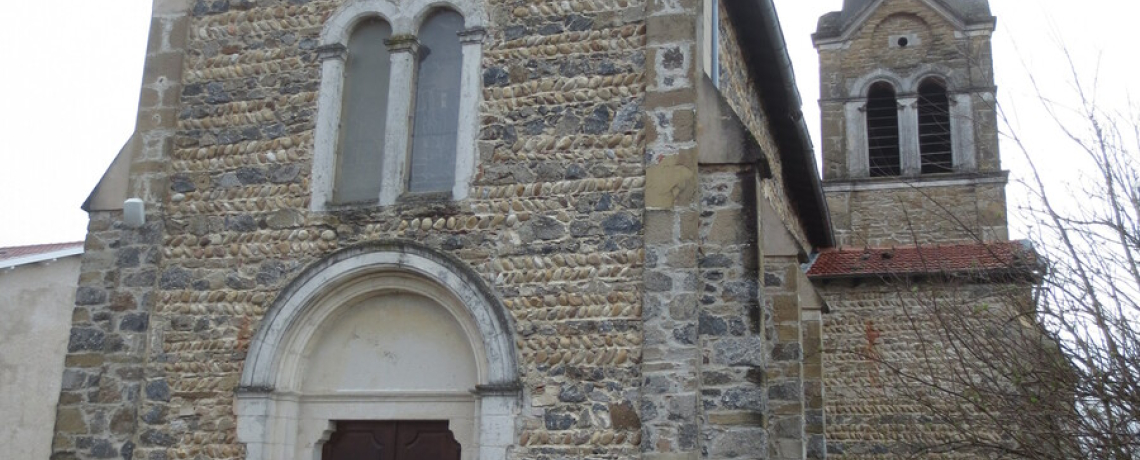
(437, 104)
(883, 131)
(364, 116)
(934, 128)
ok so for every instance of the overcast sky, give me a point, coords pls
(73, 67)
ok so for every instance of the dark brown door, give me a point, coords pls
(391, 441)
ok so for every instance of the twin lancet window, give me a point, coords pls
(389, 122)
(884, 146)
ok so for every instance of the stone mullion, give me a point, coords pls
(671, 357)
(401, 107)
(908, 136)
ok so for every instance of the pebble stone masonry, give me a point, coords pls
(875, 315)
(650, 272)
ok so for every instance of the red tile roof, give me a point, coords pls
(935, 259)
(18, 252)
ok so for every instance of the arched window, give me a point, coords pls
(436, 130)
(365, 114)
(883, 131)
(934, 137)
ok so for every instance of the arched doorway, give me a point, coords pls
(384, 332)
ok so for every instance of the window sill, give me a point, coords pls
(424, 197)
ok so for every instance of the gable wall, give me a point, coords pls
(555, 228)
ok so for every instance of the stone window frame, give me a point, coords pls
(405, 20)
(269, 401)
(906, 90)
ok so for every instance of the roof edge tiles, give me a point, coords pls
(15, 256)
(1013, 257)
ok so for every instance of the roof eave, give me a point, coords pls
(38, 258)
(783, 104)
(1004, 274)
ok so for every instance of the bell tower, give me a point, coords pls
(910, 139)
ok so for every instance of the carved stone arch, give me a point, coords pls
(280, 418)
(952, 80)
(473, 11)
(862, 85)
(339, 25)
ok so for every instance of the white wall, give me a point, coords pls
(36, 302)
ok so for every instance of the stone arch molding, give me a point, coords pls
(278, 420)
(405, 17)
(904, 86)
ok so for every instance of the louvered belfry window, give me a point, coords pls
(883, 131)
(934, 135)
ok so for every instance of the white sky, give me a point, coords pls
(73, 67)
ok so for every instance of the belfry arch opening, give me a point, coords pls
(935, 140)
(883, 152)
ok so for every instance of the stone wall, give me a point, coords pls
(743, 95)
(631, 272)
(105, 376)
(734, 348)
(919, 215)
(671, 368)
(875, 327)
(554, 225)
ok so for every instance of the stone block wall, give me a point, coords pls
(743, 95)
(734, 399)
(875, 326)
(912, 215)
(671, 367)
(105, 376)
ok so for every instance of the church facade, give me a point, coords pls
(475, 229)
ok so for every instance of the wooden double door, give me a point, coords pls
(412, 440)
